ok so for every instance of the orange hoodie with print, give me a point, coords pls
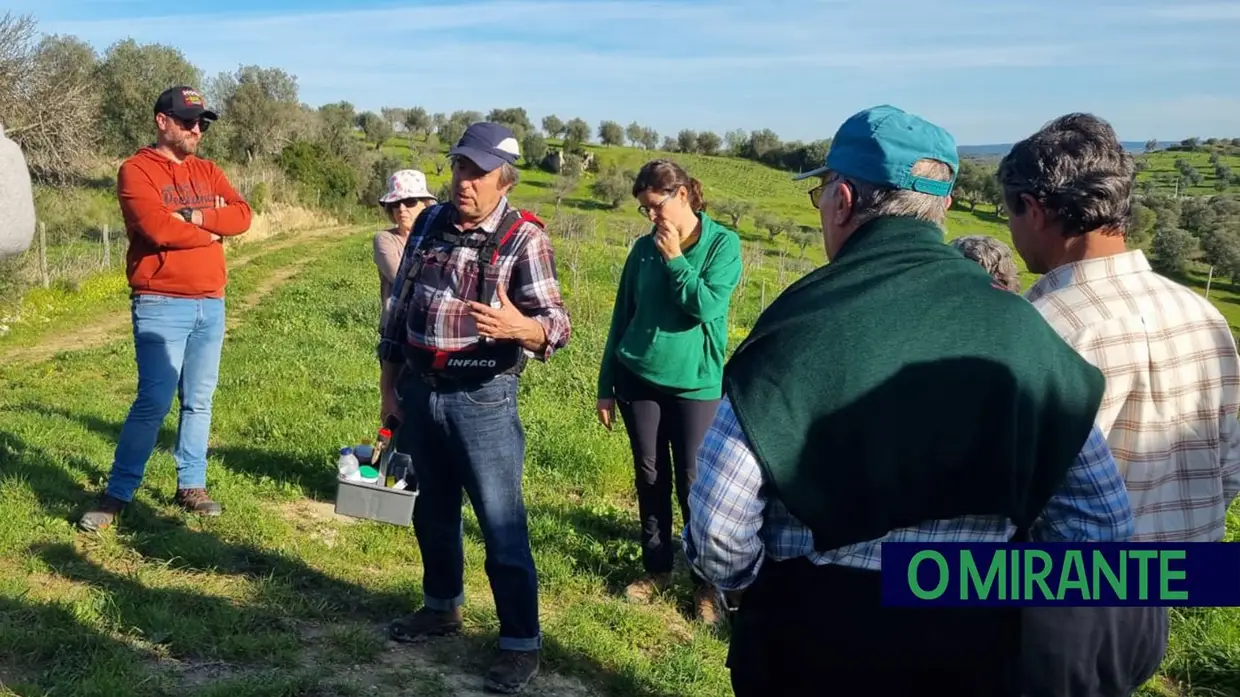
(168, 256)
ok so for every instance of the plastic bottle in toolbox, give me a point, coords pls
(347, 464)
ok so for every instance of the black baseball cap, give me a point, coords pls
(184, 102)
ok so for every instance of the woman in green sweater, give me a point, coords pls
(663, 364)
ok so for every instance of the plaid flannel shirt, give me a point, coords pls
(439, 319)
(1172, 392)
(734, 525)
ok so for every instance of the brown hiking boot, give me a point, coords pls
(197, 501)
(102, 515)
(706, 605)
(425, 623)
(643, 589)
(512, 671)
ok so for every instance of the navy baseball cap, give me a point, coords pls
(184, 102)
(488, 145)
(881, 144)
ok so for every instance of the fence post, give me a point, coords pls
(107, 247)
(43, 254)
(763, 295)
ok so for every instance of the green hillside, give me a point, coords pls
(1161, 171)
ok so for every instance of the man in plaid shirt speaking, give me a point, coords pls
(475, 296)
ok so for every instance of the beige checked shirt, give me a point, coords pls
(1173, 389)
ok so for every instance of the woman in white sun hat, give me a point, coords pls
(405, 198)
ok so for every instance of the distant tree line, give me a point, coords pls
(73, 109)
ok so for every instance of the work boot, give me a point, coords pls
(706, 605)
(643, 589)
(102, 515)
(512, 671)
(197, 501)
(425, 623)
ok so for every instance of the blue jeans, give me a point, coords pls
(471, 439)
(177, 344)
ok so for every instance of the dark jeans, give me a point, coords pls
(665, 433)
(470, 438)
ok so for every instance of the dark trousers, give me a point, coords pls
(665, 433)
(470, 439)
(821, 630)
(1091, 651)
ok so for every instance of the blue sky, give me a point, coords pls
(988, 70)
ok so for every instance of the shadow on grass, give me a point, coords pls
(586, 204)
(131, 614)
(67, 651)
(45, 641)
(472, 654)
(45, 649)
(296, 469)
(57, 492)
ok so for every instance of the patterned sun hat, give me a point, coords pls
(406, 183)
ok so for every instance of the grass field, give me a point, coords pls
(1162, 171)
(280, 597)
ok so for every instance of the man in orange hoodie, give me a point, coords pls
(177, 209)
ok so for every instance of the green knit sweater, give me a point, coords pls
(669, 325)
(897, 385)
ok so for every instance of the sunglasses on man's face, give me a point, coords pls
(188, 124)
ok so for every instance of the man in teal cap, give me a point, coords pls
(893, 395)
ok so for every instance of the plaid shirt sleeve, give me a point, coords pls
(535, 290)
(726, 507)
(1091, 505)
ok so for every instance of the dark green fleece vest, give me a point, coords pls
(897, 385)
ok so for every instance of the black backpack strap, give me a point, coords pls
(419, 238)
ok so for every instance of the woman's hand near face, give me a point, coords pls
(667, 239)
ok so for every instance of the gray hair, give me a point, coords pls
(876, 201)
(992, 255)
(1077, 170)
(508, 175)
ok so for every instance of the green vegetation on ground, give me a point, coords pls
(281, 597)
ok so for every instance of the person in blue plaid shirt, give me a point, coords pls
(896, 394)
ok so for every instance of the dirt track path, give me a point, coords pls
(112, 325)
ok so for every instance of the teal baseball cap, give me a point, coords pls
(881, 144)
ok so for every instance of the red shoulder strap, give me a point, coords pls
(523, 216)
(528, 217)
